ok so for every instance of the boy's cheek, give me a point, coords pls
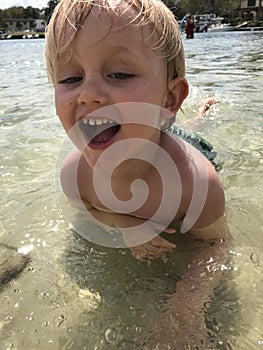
(64, 110)
(58, 103)
(63, 98)
(64, 118)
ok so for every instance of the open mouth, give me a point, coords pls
(99, 133)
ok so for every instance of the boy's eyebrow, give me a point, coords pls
(125, 49)
(121, 48)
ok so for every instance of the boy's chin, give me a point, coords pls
(102, 165)
(101, 161)
(125, 155)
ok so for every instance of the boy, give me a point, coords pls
(118, 70)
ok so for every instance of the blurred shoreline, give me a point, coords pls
(22, 35)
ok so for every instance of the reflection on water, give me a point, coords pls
(74, 295)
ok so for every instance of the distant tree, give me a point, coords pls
(50, 8)
(31, 12)
(260, 17)
(19, 25)
(32, 25)
(225, 7)
(219, 7)
(194, 6)
(174, 6)
(171, 3)
(14, 12)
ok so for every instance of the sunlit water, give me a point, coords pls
(75, 295)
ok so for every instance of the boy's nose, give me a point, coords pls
(92, 94)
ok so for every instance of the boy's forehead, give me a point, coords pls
(115, 9)
(115, 14)
(99, 23)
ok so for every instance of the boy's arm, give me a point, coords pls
(217, 231)
(183, 317)
(156, 247)
(205, 253)
(211, 224)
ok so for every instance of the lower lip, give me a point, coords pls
(103, 146)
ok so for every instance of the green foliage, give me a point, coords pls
(219, 7)
(31, 12)
(14, 12)
(20, 12)
(50, 8)
(226, 8)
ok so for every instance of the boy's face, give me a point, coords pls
(109, 67)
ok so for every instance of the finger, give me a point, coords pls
(170, 230)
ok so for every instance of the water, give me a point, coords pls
(74, 295)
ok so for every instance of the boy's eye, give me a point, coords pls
(70, 80)
(121, 75)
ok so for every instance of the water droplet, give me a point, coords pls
(254, 258)
(122, 252)
(110, 335)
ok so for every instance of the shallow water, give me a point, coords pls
(75, 295)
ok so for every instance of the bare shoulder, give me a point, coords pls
(216, 231)
(203, 199)
(211, 223)
(180, 153)
(214, 204)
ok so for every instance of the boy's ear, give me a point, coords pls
(176, 94)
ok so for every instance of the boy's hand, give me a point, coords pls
(156, 248)
(169, 230)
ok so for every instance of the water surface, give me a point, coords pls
(75, 295)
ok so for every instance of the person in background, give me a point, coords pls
(190, 26)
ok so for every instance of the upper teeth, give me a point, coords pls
(96, 121)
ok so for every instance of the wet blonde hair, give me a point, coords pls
(69, 15)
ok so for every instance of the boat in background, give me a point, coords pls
(212, 23)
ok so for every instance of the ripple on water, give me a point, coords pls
(52, 304)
